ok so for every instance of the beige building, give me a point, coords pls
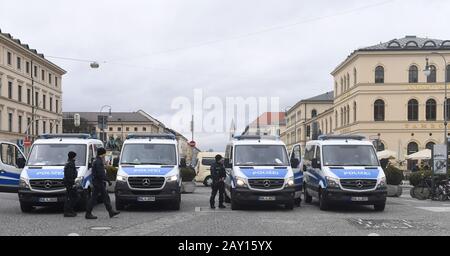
(30, 91)
(382, 92)
(269, 123)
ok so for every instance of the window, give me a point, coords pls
(413, 74)
(10, 122)
(331, 125)
(36, 99)
(348, 81)
(10, 85)
(20, 124)
(412, 148)
(413, 110)
(28, 124)
(9, 58)
(19, 63)
(354, 111)
(51, 127)
(50, 78)
(432, 77)
(35, 71)
(447, 73)
(313, 113)
(127, 129)
(431, 110)
(56, 128)
(56, 106)
(135, 129)
(44, 127)
(448, 109)
(378, 110)
(28, 96)
(56, 81)
(51, 104)
(44, 101)
(37, 127)
(119, 129)
(335, 89)
(308, 131)
(110, 129)
(43, 75)
(354, 76)
(348, 114)
(379, 75)
(19, 92)
(27, 67)
(430, 145)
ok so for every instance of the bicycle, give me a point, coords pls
(424, 190)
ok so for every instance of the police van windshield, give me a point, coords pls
(56, 154)
(349, 155)
(261, 155)
(157, 154)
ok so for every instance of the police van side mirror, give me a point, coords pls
(115, 162)
(315, 163)
(295, 162)
(227, 163)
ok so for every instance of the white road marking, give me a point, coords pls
(100, 228)
(209, 210)
(373, 234)
(435, 209)
(73, 234)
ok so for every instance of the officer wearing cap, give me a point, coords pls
(99, 187)
(70, 174)
(218, 175)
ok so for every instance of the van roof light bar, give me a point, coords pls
(341, 137)
(256, 137)
(65, 136)
(150, 136)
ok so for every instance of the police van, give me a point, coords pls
(343, 170)
(41, 181)
(149, 171)
(258, 171)
(12, 160)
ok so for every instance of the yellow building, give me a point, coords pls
(30, 91)
(381, 92)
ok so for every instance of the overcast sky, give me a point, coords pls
(152, 51)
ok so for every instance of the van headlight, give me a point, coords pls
(290, 182)
(332, 182)
(172, 178)
(23, 183)
(382, 183)
(121, 178)
(240, 182)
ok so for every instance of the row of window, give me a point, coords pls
(41, 126)
(413, 110)
(345, 82)
(22, 65)
(136, 129)
(413, 74)
(38, 102)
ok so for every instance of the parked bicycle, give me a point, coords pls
(425, 191)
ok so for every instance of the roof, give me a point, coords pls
(152, 141)
(27, 48)
(270, 118)
(340, 142)
(327, 97)
(67, 141)
(258, 142)
(115, 116)
(407, 43)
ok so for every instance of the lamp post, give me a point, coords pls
(103, 123)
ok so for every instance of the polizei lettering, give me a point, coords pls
(264, 173)
(364, 173)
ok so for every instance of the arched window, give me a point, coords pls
(326, 126)
(355, 80)
(430, 145)
(430, 110)
(447, 74)
(313, 113)
(331, 124)
(348, 114)
(448, 109)
(342, 117)
(354, 111)
(342, 85)
(412, 148)
(379, 75)
(413, 110)
(378, 110)
(336, 118)
(413, 74)
(432, 77)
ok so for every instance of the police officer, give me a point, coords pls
(70, 174)
(218, 175)
(99, 187)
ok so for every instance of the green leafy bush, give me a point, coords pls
(394, 176)
(111, 172)
(416, 177)
(187, 173)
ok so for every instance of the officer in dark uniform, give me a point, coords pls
(218, 175)
(70, 174)
(99, 187)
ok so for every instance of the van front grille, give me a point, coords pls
(146, 182)
(266, 183)
(47, 185)
(357, 184)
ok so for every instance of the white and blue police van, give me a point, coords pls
(12, 161)
(343, 170)
(41, 181)
(148, 171)
(258, 172)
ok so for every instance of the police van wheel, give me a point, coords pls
(323, 204)
(379, 207)
(207, 181)
(26, 207)
(119, 205)
(308, 198)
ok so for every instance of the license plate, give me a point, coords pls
(146, 199)
(360, 198)
(266, 198)
(48, 199)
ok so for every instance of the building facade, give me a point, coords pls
(269, 123)
(30, 91)
(381, 92)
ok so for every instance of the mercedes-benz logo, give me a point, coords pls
(359, 184)
(48, 184)
(146, 182)
(266, 183)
